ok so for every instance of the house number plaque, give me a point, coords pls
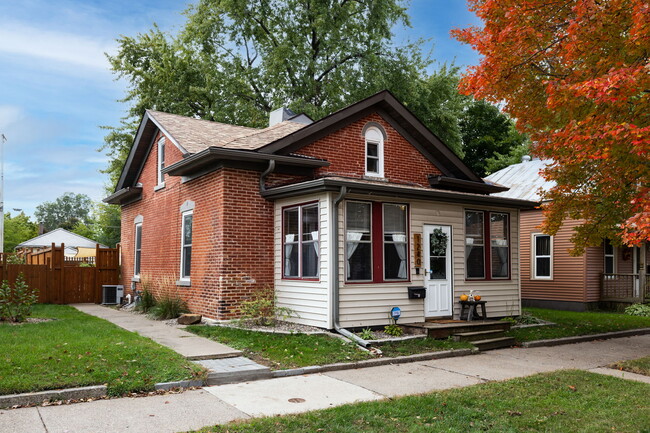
(417, 249)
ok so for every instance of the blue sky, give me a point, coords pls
(56, 89)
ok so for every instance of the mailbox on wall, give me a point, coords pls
(417, 292)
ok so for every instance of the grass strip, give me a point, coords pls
(571, 323)
(77, 349)
(283, 351)
(566, 401)
(638, 366)
(419, 345)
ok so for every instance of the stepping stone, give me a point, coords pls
(234, 370)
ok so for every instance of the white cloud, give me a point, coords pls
(15, 171)
(10, 115)
(68, 48)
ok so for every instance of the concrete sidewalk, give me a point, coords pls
(222, 404)
(189, 345)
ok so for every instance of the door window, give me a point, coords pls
(438, 242)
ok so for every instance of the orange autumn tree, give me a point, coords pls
(576, 76)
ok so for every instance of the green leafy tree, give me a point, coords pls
(84, 230)
(438, 104)
(18, 229)
(65, 212)
(235, 61)
(107, 224)
(486, 134)
(499, 161)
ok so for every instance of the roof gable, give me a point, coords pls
(60, 236)
(192, 136)
(399, 117)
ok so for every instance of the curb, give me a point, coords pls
(584, 338)
(374, 362)
(8, 401)
(166, 386)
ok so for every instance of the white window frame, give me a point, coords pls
(160, 163)
(534, 257)
(300, 244)
(183, 245)
(137, 265)
(380, 151)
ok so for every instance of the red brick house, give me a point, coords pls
(340, 216)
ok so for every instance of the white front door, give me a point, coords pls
(437, 274)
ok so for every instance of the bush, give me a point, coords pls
(168, 308)
(394, 329)
(642, 310)
(366, 334)
(147, 301)
(15, 259)
(261, 307)
(16, 303)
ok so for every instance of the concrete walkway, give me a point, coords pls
(222, 404)
(189, 345)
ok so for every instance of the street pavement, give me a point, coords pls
(226, 403)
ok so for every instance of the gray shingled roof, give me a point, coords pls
(58, 237)
(195, 135)
(523, 179)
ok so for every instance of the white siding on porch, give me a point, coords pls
(309, 299)
(369, 304)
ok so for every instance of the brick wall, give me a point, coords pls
(232, 239)
(345, 150)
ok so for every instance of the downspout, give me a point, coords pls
(335, 274)
(264, 174)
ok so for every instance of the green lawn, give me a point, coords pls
(419, 345)
(639, 366)
(282, 351)
(80, 350)
(569, 323)
(566, 401)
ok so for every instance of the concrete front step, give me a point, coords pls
(233, 370)
(478, 335)
(494, 343)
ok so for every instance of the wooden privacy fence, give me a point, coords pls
(63, 281)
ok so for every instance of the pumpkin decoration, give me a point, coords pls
(464, 297)
(477, 297)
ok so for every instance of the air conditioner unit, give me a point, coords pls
(112, 294)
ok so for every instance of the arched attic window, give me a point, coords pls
(374, 137)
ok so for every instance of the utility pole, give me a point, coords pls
(3, 139)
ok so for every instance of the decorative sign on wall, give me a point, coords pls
(417, 249)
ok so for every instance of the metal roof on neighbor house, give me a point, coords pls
(58, 237)
(523, 179)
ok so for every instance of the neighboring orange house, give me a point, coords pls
(550, 276)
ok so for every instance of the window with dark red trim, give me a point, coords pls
(300, 246)
(376, 245)
(487, 245)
